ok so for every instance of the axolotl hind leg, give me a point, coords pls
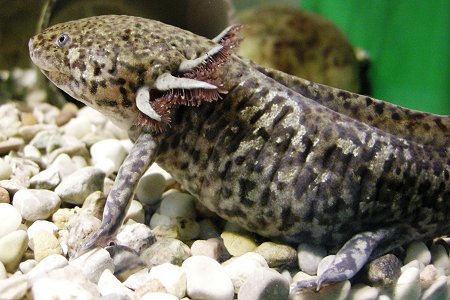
(349, 259)
(134, 166)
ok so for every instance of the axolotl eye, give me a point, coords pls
(62, 40)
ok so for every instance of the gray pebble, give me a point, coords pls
(166, 250)
(93, 263)
(80, 184)
(10, 144)
(81, 227)
(309, 257)
(264, 284)
(126, 261)
(47, 179)
(277, 255)
(136, 236)
(384, 271)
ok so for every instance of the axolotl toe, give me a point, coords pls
(279, 155)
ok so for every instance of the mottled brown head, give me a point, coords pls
(103, 61)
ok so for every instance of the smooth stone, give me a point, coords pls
(438, 290)
(177, 204)
(134, 281)
(264, 284)
(106, 165)
(64, 165)
(408, 286)
(12, 186)
(238, 244)
(213, 247)
(11, 219)
(94, 116)
(28, 119)
(166, 250)
(337, 291)
(78, 127)
(149, 286)
(277, 255)
(11, 144)
(81, 227)
(12, 248)
(27, 266)
(156, 169)
(37, 226)
(135, 212)
(93, 263)
(136, 236)
(62, 216)
(109, 284)
(15, 287)
(202, 269)
(3, 273)
(417, 250)
(51, 262)
(47, 179)
(440, 258)
(34, 204)
(68, 111)
(150, 188)
(45, 244)
(32, 153)
(47, 140)
(309, 257)
(126, 261)
(5, 170)
(412, 264)
(172, 277)
(94, 204)
(363, 292)
(239, 269)
(51, 288)
(111, 149)
(427, 276)
(77, 186)
(384, 271)
(161, 220)
(115, 131)
(4, 196)
(158, 296)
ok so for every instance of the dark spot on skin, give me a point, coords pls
(246, 186)
(106, 102)
(93, 88)
(426, 126)
(344, 94)
(262, 132)
(184, 166)
(226, 192)
(369, 101)
(439, 123)
(328, 154)
(286, 110)
(424, 187)
(379, 108)
(347, 105)
(446, 175)
(239, 160)
(395, 116)
(226, 168)
(102, 83)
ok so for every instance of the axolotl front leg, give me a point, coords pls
(132, 169)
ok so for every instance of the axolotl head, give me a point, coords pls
(133, 70)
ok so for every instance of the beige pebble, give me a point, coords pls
(238, 244)
(4, 196)
(45, 244)
(28, 119)
(68, 111)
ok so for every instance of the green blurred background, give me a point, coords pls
(408, 42)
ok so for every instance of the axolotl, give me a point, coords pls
(284, 157)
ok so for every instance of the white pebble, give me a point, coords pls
(156, 169)
(264, 284)
(161, 220)
(440, 258)
(14, 287)
(47, 179)
(93, 263)
(134, 281)
(177, 204)
(12, 248)
(136, 236)
(158, 296)
(412, 264)
(418, 250)
(438, 290)
(40, 225)
(135, 212)
(50, 288)
(106, 165)
(150, 188)
(36, 204)
(309, 257)
(80, 184)
(3, 274)
(11, 219)
(363, 292)
(111, 149)
(240, 268)
(27, 266)
(109, 284)
(172, 277)
(5, 170)
(31, 152)
(45, 244)
(78, 127)
(64, 165)
(94, 116)
(408, 286)
(201, 270)
(49, 263)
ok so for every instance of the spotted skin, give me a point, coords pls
(283, 157)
